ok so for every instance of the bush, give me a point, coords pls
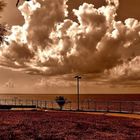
(60, 100)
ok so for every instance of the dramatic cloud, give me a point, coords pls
(127, 71)
(51, 44)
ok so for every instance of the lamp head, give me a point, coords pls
(78, 77)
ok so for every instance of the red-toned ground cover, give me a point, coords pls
(51, 125)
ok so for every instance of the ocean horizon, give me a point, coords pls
(72, 97)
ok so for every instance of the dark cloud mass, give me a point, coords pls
(49, 43)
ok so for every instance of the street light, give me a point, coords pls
(78, 97)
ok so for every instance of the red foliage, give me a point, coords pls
(39, 125)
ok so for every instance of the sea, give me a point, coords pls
(73, 97)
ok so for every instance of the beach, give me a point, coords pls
(64, 125)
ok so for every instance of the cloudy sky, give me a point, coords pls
(51, 41)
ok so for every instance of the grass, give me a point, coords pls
(55, 125)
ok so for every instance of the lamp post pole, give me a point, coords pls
(78, 91)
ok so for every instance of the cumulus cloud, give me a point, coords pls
(53, 82)
(49, 43)
(127, 71)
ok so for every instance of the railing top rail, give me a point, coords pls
(114, 101)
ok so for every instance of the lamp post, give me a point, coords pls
(78, 91)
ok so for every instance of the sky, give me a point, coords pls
(52, 41)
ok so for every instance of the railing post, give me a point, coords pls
(95, 105)
(26, 102)
(20, 102)
(81, 105)
(70, 105)
(5, 102)
(52, 104)
(45, 104)
(132, 105)
(40, 104)
(107, 109)
(32, 102)
(15, 101)
(120, 107)
(37, 103)
(88, 104)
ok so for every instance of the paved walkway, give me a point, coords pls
(135, 116)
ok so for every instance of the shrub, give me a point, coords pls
(60, 100)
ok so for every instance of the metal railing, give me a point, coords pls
(111, 106)
(85, 105)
